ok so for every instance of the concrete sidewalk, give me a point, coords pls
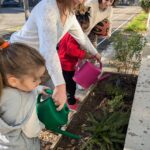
(11, 19)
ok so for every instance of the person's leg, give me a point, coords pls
(70, 86)
(93, 39)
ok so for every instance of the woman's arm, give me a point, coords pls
(82, 39)
(47, 31)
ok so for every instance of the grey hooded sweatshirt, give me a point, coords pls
(19, 124)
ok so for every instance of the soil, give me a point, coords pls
(97, 98)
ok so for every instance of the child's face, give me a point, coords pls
(28, 82)
(105, 4)
(84, 26)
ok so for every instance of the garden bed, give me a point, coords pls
(101, 100)
(103, 118)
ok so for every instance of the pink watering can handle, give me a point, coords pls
(101, 76)
(79, 64)
(100, 66)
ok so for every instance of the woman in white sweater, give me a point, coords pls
(99, 10)
(47, 24)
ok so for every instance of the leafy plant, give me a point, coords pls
(115, 103)
(145, 4)
(138, 23)
(115, 100)
(113, 90)
(106, 133)
(128, 48)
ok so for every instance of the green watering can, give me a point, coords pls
(51, 118)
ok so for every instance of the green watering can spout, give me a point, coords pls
(50, 117)
(65, 133)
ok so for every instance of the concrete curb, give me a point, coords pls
(138, 133)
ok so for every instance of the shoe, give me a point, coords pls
(77, 100)
(73, 107)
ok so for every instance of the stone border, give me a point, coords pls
(138, 133)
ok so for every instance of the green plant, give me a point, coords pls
(128, 46)
(115, 103)
(138, 23)
(108, 133)
(115, 100)
(145, 4)
(113, 90)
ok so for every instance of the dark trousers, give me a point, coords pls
(70, 86)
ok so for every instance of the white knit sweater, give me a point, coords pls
(44, 29)
(97, 15)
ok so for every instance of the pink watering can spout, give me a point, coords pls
(88, 74)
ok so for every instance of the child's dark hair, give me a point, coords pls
(18, 60)
(99, 1)
(83, 14)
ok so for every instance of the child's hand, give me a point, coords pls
(41, 89)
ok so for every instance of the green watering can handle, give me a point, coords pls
(48, 91)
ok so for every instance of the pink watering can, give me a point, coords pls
(87, 74)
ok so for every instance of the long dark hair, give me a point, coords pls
(18, 60)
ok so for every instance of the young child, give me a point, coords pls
(69, 52)
(21, 69)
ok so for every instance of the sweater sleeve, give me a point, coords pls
(81, 38)
(110, 21)
(73, 48)
(47, 30)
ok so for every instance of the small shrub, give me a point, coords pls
(116, 103)
(128, 47)
(113, 91)
(115, 97)
(145, 4)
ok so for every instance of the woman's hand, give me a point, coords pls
(88, 55)
(98, 57)
(59, 96)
